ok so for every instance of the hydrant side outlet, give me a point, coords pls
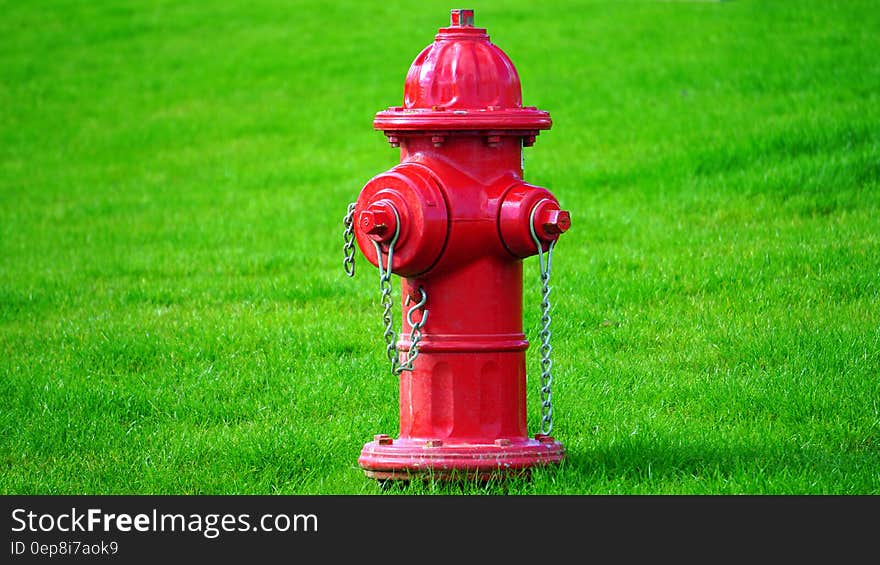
(455, 220)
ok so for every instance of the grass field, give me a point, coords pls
(173, 313)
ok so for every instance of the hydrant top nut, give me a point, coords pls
(463, 18)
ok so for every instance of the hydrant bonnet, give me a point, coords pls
(462, 81)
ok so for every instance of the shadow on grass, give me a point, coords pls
(656, 463)
(661, 467)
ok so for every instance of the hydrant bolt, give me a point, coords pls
(555, 222)
(373, 222)
(378, 221)
(383, 439)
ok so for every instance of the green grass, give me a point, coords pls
(173, 313)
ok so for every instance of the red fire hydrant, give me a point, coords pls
(455, 220)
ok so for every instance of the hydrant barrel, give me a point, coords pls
(455, 219)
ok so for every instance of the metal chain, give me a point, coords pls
(544, 264)
(389, 334)
(348, 241)
(415, 332)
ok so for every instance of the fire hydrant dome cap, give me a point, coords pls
(462, 81)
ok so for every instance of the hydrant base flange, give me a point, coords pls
(406, 459)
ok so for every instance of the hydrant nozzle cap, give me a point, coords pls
(461, 18)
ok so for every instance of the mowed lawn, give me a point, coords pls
(174, 317)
